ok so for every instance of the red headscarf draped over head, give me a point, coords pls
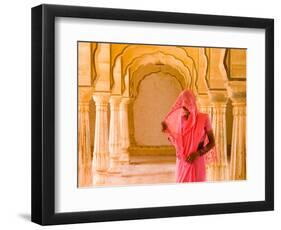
(175, 117)
(186, 133)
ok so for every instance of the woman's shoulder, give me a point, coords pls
(203, 115)
(205, 119)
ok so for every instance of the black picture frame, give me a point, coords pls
(43, 114)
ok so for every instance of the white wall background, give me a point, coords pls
(15, 120)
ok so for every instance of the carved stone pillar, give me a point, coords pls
(237, 93)
(124, 130)
(206, 107)
(101, 151)
(219, 101)
(114, 134)
(84, 148)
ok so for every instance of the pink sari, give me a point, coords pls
(187, 135)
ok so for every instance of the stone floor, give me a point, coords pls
(144, 170)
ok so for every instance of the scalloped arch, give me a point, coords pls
(158, 59)
(144, 71)
(133, 51)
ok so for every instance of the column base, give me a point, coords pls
(124, 158)
(114, 166)
(238, 176)
(217, 172)
(99, 178)
(85, 176)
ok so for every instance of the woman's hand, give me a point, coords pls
(164, 126)
(192, 156)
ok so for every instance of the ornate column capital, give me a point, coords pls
(83, 107)
(126, 100)
(218, 96)
(204, 104)
(204, 100)
(237, 91)
(115, 100)
(101, 98)
(239, 109)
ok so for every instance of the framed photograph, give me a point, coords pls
(145, 114)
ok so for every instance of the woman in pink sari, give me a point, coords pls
(191, 133)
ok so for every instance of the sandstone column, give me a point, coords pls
(114, 134)
(101, 151)
(84, 149)
(237, 92)
(219, 101)
(124, 130)
(206, 107)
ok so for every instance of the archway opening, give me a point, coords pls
(152, 103)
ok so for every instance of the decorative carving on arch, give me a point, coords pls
(133, 51)
(157, 59)
(192, 58)
(162, 55)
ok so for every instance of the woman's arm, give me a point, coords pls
(202, 149)
(164, 126)
(165, 129)
(210, 145)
